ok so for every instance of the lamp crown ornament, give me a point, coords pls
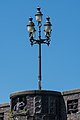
(38, 14)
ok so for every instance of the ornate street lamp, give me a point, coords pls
(39, 40)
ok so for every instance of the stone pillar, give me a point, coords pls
(38, 105)
(72, 101)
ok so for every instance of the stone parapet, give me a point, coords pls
(38, 105)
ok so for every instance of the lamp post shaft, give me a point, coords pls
(39, 65)
(39, 55)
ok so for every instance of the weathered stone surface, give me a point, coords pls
(38, 105)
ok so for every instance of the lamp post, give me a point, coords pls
(39, 40)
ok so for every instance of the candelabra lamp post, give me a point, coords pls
(47, 31)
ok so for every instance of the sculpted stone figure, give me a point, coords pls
(19, 105)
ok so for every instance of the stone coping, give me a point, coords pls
(4, 105)
(35, 92)
(69, 92)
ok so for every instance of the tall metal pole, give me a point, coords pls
(39, 69)
(39, 55)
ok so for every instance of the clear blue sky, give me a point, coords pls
(19, 61)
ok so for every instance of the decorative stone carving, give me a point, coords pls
(30, 104)
(72, 106)
(37, 104)
(19, 105)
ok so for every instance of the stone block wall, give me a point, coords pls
(5, 111)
